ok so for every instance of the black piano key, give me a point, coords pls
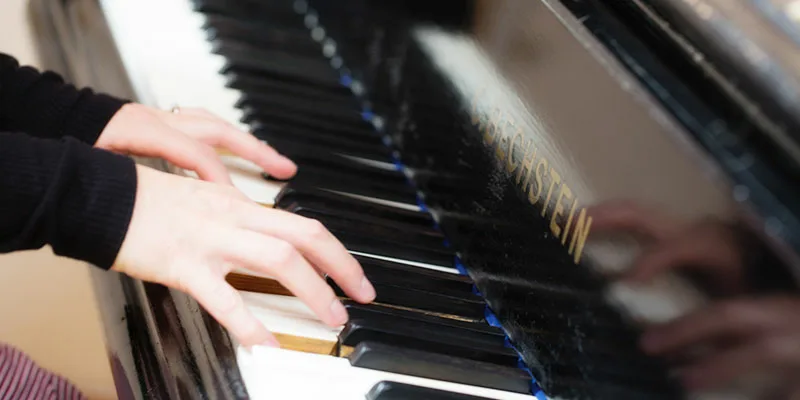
(345, 211)
(337, 115)
(286, 120)
(303, 132)
(264, 83)
(358, 310)
(432, 338)
(327, 178)
(380, 271)
(401, 251)
(298, 194)
(387, 390)
(467, 307)
(242, 55)
(291, 143)
(348, 166)
(262, 11)
(386, 358)
(386, 232)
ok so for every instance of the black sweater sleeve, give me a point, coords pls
(54, 187)
(42, 105)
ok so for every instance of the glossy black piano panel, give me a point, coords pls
(539, 137)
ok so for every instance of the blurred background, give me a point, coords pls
(47, 307)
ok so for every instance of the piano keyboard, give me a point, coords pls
(426, 333)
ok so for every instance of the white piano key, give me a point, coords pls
(278, 373)
(289, 316)
(170, 63)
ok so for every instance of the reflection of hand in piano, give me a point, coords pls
(739, 337)
(207, 230)
(725, 341)
(711, 249)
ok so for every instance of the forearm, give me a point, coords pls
(66, 194)
(43, 105)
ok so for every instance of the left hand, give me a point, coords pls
(736, 338)
(188, 139)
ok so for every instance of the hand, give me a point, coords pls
(739, 337)
(188, 139)
(189, 234)
(710, 248)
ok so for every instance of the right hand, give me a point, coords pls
(709, 248)
(189, 234)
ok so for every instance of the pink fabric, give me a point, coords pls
(22, 379)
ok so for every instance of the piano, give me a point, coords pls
(495, 165)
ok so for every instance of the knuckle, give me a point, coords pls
(249, 332)
(282, 255)
(226, 301)
(221, 203)
(315, 230)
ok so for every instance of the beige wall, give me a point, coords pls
(47, 307)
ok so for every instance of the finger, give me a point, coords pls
(279, 259)
(730, 319)
(725, 367)
(248, 147)
(225, 304)
(216, 132)
(194, 156)
(316, 243)
(703, 249)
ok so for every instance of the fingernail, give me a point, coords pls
(367, 290)
(339, 313)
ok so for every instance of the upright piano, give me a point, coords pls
(497, 167)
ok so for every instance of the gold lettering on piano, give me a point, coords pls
(579, 235)
(499, 150)
(569, 220)
(511, 166)
(565, 191)
(539, 175)
(535, 175)
(555, 178)
(526, 164)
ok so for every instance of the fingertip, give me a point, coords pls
(271, 341)
(282, 169)
(339, 314)
(367, 291)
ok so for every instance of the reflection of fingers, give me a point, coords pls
(280, 259)
(631, 217)
(225, 304)
(701, 249)
(724, 367)
(722, 320)
(316, 243)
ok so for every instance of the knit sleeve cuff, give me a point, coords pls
(97, 208)
(90, 115)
